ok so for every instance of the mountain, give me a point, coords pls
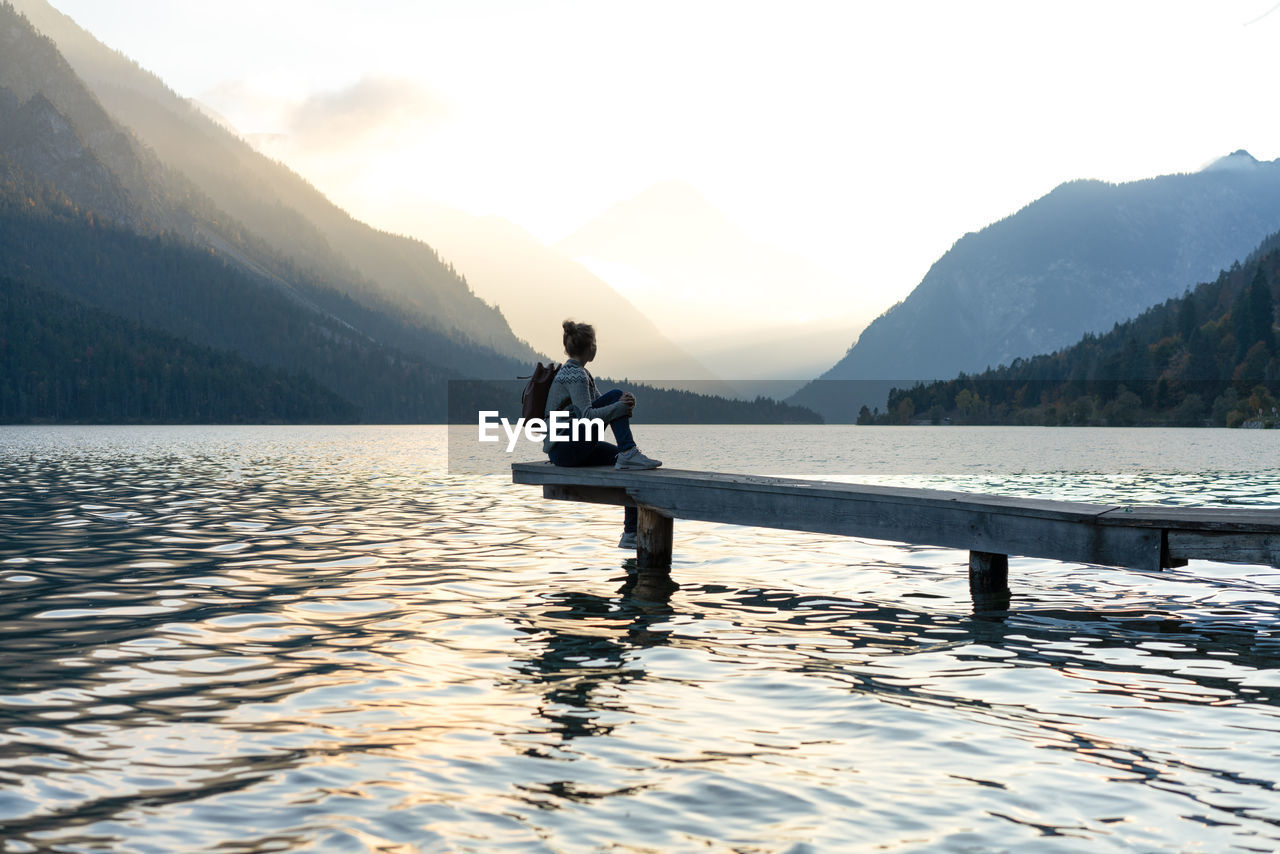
(89, 214)
(538, 288)
(165, 288)
(1209, 357)
(184, 172)
(128, 295)
(778, 359)
(688, 266)
(1077, 260)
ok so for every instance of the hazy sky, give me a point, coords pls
(868, 136)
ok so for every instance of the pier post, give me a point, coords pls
(654, 538)
(989, 580)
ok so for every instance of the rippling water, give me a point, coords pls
(317, 639)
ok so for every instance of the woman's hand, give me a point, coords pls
(630, 400)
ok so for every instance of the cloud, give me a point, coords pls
(245, 107)
(373, 109)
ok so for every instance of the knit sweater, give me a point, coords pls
(573, 390)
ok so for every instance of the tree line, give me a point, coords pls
(65, 362)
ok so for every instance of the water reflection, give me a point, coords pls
(250, 640)
(588, 654)
(586, 646)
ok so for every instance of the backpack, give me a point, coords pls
(533, 402)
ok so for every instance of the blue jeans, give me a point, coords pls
(597, 452)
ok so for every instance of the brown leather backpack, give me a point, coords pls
(533, 402)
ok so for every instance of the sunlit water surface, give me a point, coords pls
(318, 639)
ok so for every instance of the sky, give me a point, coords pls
(866, 137)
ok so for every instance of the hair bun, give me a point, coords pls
(578, 337)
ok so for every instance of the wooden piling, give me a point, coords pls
(654, 536)
(989, 580)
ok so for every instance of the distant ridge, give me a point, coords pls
(681, 260)
(539, 287)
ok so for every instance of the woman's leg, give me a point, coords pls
(570, 453)
(622, 432)
(596, 454)
(583, 453)
(621, 426)
(608, 397)
(603, 454)
(629, 456)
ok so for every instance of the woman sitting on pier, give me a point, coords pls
(574, 389)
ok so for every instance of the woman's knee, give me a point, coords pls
(608, 397)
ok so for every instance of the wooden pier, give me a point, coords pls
(990, 527)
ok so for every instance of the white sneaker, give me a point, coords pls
(635, 461)
(628, 541)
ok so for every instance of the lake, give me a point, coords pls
(253, 639)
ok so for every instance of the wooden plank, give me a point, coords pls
(544, 473)
(654, 539)
(1243, 519)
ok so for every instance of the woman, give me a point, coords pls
(574, 389)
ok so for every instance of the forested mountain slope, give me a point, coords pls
(164, 284)
(1209, 357)
(185, 174)
(67, 363)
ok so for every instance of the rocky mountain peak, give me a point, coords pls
(1236, 160)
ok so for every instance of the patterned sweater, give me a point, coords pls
(573, 390)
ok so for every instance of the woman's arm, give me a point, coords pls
(580, 396)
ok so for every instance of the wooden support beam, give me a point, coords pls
(588, 494)
(1225, 546)
(654, 535)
